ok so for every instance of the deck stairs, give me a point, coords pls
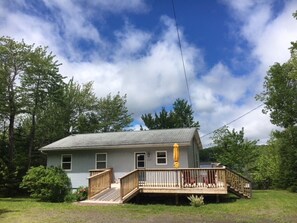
(237, 192)
(108, 196)
(238, 184)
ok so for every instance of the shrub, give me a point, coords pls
(81, 193)
(70, 197)
(293, 189)
(48, 184)
(196, 201)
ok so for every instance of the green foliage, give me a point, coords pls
(113, 114)
(196, 201)
(279, 97)
(234, 151)
(181, 116)
(267, 166)
(287, 143)
(79, 195)
(48, 184)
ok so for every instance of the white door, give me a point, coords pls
(140, 160)
(140, 163)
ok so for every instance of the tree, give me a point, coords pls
(267, 165)
(234, 151)
(13, 63)
(77, 101)
(113, 114)
(40, 83)
(181, 116)
(286, 142)
(279, 97)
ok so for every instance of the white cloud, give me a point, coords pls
(120, 5)
(132, 42)
(149, 72)
(148, 67)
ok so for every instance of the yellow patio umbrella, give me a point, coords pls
(176, 155)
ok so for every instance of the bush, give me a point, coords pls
(293, 189)
(81, 193)
(196, 201)
(48, 184)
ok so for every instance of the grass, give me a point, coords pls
(265, 206)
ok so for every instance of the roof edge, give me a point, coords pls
(184, 144)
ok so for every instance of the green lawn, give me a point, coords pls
(265, 206)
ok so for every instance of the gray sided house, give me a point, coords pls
(122, 151)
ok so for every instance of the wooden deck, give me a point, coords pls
(202, 181)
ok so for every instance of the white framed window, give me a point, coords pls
(161, 157)
(101, 161)
(66, 162)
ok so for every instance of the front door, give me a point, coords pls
(139, 160)
(140, 164)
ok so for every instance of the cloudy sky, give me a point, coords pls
(131, 47)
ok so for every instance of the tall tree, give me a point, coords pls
(234, 151)
(78, 100)
(181, 116)
(13, 63)
(113, 115)
(40, 83)
(279, 97)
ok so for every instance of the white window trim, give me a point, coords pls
(161, 164)
(100, 161)
(66, 162)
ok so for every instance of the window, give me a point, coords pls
(161, 157)
(101, 160)
(66, 161)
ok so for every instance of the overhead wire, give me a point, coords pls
(181, 53)
(186, 77)
(234, 120)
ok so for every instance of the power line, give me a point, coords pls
(234, 120)
(181, 53)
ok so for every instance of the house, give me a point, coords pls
(123, 152)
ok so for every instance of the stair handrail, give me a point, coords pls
(239, 183)
(99, 182)
(129, 183)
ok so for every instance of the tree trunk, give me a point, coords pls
(11, 138)
(32, 139)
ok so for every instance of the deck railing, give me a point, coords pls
(129, 183)
(183, 178)
(99, 180)
(238, 183)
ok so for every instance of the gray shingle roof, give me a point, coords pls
(125, 139)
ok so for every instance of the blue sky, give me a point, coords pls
(131, 47)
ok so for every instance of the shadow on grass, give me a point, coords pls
(4, 211)
(182, 200)
(13, 199)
